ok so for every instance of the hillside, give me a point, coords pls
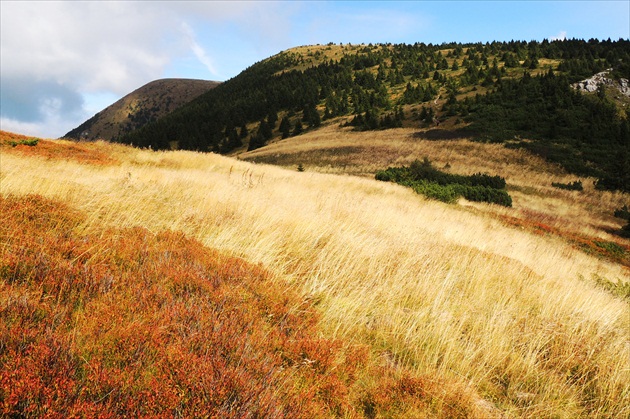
(577, 216)
(144, 105)
(516, 93)
(392, 305)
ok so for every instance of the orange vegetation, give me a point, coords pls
(617, 252)
(57, 149)
(125, 322)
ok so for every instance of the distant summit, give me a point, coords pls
(146, 104)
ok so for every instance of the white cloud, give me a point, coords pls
(198, 50)
(560, 37)
(57, 52)
(48, 127)
(90, 45)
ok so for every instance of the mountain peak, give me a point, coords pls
(145, 104)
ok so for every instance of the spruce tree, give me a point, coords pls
(298, 127)
(244, 131)
(264, 130)
(285, 127)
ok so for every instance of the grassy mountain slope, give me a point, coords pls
(580, 217)
(511, 92)
(144, 105)
(466, 313)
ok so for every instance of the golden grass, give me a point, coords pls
(446, 290)
(529, 178)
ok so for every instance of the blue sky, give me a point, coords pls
(61, 62)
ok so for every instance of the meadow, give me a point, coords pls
(428, 309)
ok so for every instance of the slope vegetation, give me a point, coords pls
(126, 322)
(459, 313)
(140, 107)
(582, 218)
(518, 93)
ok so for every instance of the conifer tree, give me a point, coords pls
(264, 130)
(285, 127)
(244, 131)
(298, 129)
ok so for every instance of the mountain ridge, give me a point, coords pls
(517, 93)
(502, 91)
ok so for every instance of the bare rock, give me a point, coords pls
(592, 84)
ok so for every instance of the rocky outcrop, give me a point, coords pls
(593, 83)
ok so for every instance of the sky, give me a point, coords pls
(63, 61)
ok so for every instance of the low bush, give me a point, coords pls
(425, 179)
(571, 186)
(31, 142)
(127, 322)
(485, 194)
(619, 288)
(623, 213)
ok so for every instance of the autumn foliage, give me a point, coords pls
(79, 152)
(130, 323)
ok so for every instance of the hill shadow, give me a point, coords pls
(444, 134)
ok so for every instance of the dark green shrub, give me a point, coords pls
(572, 186)
(425, 179)
(444, 193)
(482, 179)
(623, 213)
(485, 194)
(384, 176)
(31, 142)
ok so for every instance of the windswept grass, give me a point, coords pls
(448, 292)
(530, 178)
(130, 323)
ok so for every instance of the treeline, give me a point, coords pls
(425, 179)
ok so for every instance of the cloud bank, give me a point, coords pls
(560, 37)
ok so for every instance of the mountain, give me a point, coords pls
(144, 105)
(517, 93)
(301, 275)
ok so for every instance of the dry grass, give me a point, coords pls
(91, 153)
(342, 151)
(448, 291)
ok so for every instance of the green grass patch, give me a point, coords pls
(612, 248)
